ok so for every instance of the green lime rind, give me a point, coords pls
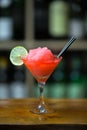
(16, 54)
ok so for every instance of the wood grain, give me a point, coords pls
(66, 111)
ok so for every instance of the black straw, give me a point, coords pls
(67, 46)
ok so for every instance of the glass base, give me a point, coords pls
(41, 109)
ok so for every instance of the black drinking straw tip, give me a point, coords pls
(67, 45)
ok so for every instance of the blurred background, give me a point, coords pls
(34, 23)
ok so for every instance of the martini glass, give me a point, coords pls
(41, 71)
(41, 62)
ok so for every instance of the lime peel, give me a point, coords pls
(16, 54)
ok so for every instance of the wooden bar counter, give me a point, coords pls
(68, 114)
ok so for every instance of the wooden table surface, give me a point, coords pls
(66, 111)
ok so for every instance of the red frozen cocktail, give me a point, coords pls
(41, 63)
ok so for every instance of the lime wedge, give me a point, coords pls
(16, 54)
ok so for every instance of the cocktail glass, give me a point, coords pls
(41, 71)
(41, 63)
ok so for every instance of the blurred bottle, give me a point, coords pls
(76, 26)
(41, 19)
(84, 4)
(6, 21)
(4, 88)
(17, 86)
(57, 88)
(18, 18)
(75, 88)
(86, 24)
(84, 70)
(58, 19)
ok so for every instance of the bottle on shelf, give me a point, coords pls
(17, 85)
(19, 19)
(41, 19)
(6, 21)
(84, 5)
(57, 84)
(4, 87)
(75, 87)
(58, 19)
(76, 24)
(86, 25)
(84, 71)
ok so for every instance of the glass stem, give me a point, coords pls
(41, 87)
(41, 106)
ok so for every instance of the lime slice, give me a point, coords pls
(16, 54)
